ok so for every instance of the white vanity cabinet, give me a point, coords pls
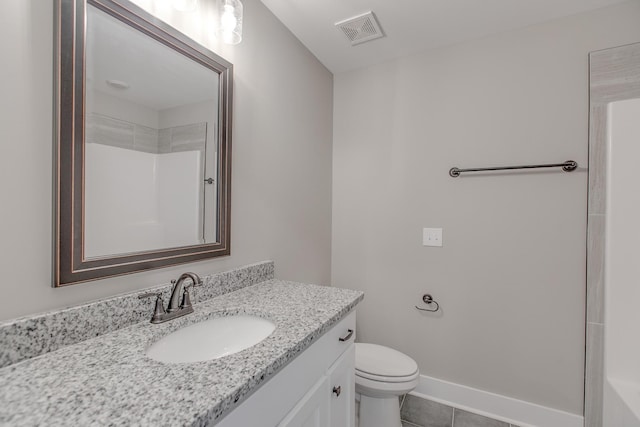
(330, 403)
(317, 389)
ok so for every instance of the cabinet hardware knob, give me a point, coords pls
(337, 390)
(346, 337)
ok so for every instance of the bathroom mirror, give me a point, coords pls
(143, 139)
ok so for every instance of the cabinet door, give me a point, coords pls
(342, 389)
(312, 410)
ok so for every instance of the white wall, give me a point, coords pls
(281, 191)
(622, 293)
(118, 108)
(188, 114)
(200, 112)
(511, 276)
(179, 202)
(622, 318)
(152, 202)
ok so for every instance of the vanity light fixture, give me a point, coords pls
(230, 21)
(185, 5)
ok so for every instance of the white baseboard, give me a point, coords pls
(503, 408)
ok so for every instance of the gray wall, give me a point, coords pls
(511, 275)
(281, 192)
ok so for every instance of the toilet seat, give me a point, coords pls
(383, 364)
(379, 378)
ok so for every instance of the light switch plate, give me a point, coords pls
(432, 236)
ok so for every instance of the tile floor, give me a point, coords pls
(418, 412)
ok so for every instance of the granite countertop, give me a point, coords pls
(108, 380)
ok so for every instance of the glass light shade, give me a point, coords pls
(185, 5)
(230, 21)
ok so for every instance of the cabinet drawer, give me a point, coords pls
(340, 337)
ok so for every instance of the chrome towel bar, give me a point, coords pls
(568, 166)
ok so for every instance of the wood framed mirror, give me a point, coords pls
(142, 144)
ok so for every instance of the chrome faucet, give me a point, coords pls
(179, 302)
(179, 299)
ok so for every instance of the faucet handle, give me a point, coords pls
(158, 312)
(186, 297)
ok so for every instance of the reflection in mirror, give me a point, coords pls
(150, 117)
(143, 134)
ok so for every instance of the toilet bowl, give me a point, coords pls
(382, 374)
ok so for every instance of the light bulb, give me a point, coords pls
(230, 26)
(228, 21)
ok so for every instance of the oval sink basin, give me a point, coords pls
(211, 339)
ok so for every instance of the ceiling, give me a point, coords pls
(158, 76)
(412, 25)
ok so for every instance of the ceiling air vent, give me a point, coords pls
(361, 28)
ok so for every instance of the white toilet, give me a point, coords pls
(382, 374)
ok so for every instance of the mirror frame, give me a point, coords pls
(70, 266)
